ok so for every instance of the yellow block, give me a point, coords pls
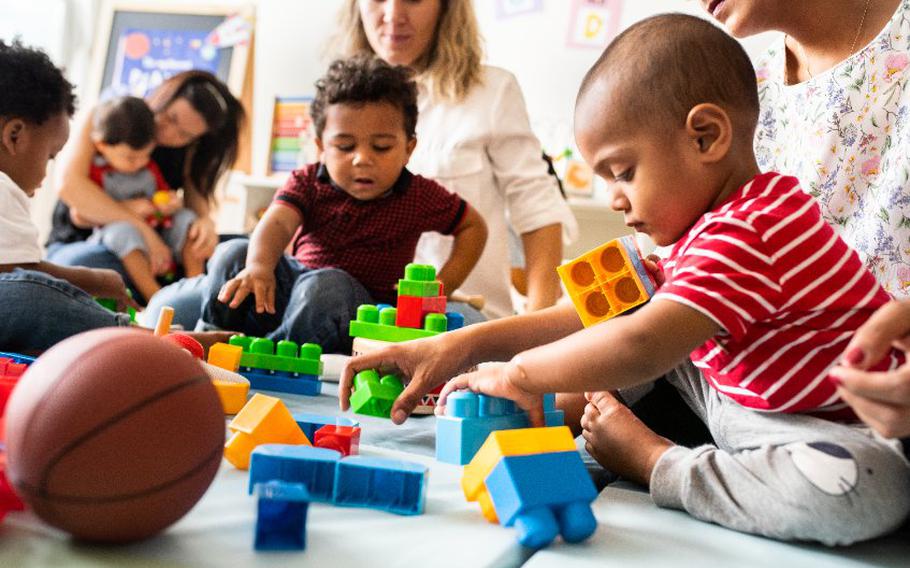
(232, 395)
(225, 356)
(263, 420)
(502, 443)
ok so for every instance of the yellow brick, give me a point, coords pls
(225, 356)
(263, 420)
(232, 395)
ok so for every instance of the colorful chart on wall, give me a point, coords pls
(293, 137)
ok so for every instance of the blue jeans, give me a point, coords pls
(84, 253)
(38, 310)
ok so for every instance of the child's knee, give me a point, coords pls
(334, 287)
(229, 255)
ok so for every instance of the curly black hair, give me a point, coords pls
(124, 120)
(366, 79)
(31, 86)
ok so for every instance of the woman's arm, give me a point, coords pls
(543, 253)
(470, 238)
(202, 234)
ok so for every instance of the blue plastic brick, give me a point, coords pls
(378, 483)
(454, 320)
(471, 417)
(281, 521)
(276, 381)
(314, 467)
(18, 358)
(309, 423)
(628, 243)
(543, 495)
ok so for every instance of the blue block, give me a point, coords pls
(281, 522)
(309, 423)
(470, 418)
(378, 483)
(314, 467)
(543, 495)
(308, 385)
(18, 358)
(454, 320)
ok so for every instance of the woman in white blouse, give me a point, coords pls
(473, 137)
(835, 112)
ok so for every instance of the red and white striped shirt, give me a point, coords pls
(787, 291)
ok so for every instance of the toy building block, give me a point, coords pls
(10, 372)
(607, 281)
(279, 367)
(419, 280)
(454, 320)
(344, 439)
(9, 501)
(309, 422)
(313, 467)
(264, 420)
(374, 396)
(520, 442)
(543, 495)
(232, 388)
(281, 518)
(371, 323)
(377, 483)
(428, 402)
(356, 481)
(470, 418)
(413, 309)
(187, 343)
(226, 356)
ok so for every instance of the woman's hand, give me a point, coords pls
(255, 278)
(880, 399)
(202, 237)
(140, 206)
(426, 362)
(502, 380)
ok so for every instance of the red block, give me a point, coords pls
(344, 439)
(10, 372)
(9, 501)
(410, 312)
(436, 305)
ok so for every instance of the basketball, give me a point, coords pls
(113, 435)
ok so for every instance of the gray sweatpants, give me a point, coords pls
(785, 476)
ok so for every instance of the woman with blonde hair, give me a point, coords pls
(474, 138)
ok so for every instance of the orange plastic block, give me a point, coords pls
(502, 443)
(607, 281)
(264, 420)
(225, 356)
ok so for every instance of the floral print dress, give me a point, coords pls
(845, 134)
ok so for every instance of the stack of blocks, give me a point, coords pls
(355, 481)
(607, 281)
(470, 418)
(280, 367)
(421, 312)
(534, 479)
(12, 367)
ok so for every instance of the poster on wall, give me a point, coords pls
(508, 8)
(593, 23)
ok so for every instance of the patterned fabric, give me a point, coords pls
(370, 240)
(845, 134)
(787, 291)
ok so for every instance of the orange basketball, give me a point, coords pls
(113, 435)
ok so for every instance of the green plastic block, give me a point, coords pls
(371, 323)
(261, 353)
(420, 272)
(418, 288)
(111, 304)
(374, 396)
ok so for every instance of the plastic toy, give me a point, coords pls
(280, 367)
(184, 341)
(607, 281)
(281, 518)
(309, 423)
(356, 481)
(343, 439)
(9, 501)
(470, 418)
(226, 356)
(534, 479)
(111, 305)
(374, 396)
(159, 220)
(264, 420)
(11, 369)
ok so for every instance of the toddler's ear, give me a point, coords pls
(11, 134)
(711, 131)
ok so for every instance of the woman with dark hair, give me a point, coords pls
(197, 126)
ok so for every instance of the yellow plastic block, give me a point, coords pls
(225, 356)
(263, 420)
(502, 443)
(232, 395)
(604, 282)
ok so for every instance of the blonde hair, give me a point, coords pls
(452, 65)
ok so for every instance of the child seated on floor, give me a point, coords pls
(758, 299)
(40, 302)
(354, 218)
(123, 132)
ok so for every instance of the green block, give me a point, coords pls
(261, 353)
(374, 396)
(111, 304)
(418, 288)
(391, 333)
(420, 272)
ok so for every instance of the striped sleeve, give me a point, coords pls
(725, 273)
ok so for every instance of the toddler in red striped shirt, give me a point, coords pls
(758, 299)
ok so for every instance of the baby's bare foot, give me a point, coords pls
(618, 440)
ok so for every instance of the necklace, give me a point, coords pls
(859, 30)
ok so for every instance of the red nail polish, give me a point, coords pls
(854, 356)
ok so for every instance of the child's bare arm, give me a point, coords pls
(470, 238)
(272, 234)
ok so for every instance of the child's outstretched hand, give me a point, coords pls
(502, 380)
(109, 284)
(654, 269)
(256, 279)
